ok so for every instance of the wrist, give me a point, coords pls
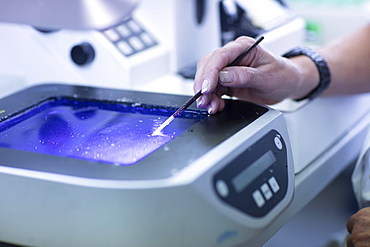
(313, 70)
(307, 77)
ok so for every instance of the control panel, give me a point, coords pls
(130, 37)
(257, 180)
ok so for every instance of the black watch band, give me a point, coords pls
(322, 66)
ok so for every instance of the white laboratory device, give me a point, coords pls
(79, 167)
(160, 39)
(147, 50)
(76, 14)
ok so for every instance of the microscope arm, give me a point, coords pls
(74, 14)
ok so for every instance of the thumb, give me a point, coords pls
(236, 77)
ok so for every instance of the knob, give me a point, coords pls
(83, 54)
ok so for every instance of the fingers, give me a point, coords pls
(244, 77)
(208, 68)
(361, 218)
(236, 77)
(359, 228)
(214, 102)
(350, 224)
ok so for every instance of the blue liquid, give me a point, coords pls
(119, 134)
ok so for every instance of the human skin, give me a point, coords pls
(265, 78)
(359, 228)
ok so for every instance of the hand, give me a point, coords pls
(260, 77)
(359, 228)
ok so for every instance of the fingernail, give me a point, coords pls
(206, 85)
(199, 102)
(226, 76)
(210, 109)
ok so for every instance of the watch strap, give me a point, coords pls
(321, 65)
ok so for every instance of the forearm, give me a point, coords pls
(349, 61)
(265, 78)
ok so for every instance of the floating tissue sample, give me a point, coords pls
(117, 134)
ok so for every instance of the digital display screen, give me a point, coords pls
(244, 178)
(119, 134)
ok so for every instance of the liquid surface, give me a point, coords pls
(116, 134)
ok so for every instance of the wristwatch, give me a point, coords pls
(322, 67)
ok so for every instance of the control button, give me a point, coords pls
(124, 48)
(258, 198)
(278, 142)
(266, 191)
(83, 54)
(124, 31)
(222, 188)
(112, 35)
(147, 39)
(134, 26)
(136, 43)
(274, 184)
